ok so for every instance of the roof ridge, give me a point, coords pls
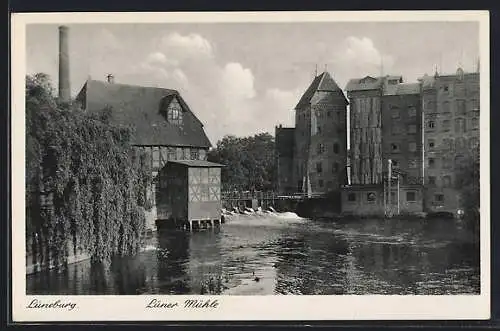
(131, 85)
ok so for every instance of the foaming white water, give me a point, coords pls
(149, 248)
(262, 218)
(288, 215)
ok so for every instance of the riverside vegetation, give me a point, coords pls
(95, 180)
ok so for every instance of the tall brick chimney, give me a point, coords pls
(64, 86)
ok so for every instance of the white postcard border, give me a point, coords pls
(132, 308)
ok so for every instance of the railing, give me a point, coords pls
(267, 195)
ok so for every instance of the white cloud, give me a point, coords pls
(224, 97)
(237, 82)
(362, 57)
(284, 99)
(186, 47)
(179, 76)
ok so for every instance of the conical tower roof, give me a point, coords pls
(324, 83)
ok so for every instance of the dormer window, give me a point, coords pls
(173, 111)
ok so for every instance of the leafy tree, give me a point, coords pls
(468, 180)
(85, 183)
(250, 163)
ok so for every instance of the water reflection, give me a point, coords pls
(257, 255)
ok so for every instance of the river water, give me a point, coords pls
(284, 254)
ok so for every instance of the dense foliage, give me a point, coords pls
(250, 162)
(94, 181)
(468, 180)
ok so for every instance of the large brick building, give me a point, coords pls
(401, 134)
(320, 140)
(385, 117)
(451, 134)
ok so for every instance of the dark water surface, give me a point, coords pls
(264, 254)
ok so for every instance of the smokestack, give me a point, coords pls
(64, 87)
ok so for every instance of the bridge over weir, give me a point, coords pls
(263, 199)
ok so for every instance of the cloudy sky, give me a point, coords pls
(245, 78)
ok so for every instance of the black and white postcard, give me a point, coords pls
(250, 166)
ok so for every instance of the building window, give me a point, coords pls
(412, 164)
(321, 148)
(474, 105)
(446, 107)
(320, 183)
(171, 155)
(371, 197)
(430, 106)
(473, 142)
(351, 197)
(336, 148)
(447, 181)
(439, 197)
(431, 143)
(394, 148)
(412, 128)
(432, 163)
(411, 196)
(459, 161)
(156, 157)
(335, 167)
(174, 115)
(445, 88)
(319, 167)
(412, 147)
(203, 154)
(446, 163)
(396, 129)
(459, 125)
(446, 125)
(475, 123)
(431, 180)
(395, 163)
(447, 144)
(186, 153)
(431, 124)
(412, 111)
(329, 113)
(461, 107)
(318, 129)
(460, 144)
(395, 112)
(194, 154)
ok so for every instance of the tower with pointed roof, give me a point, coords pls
(320, 144)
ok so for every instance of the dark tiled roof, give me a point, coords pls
(364, 84)
(197, 163)
(139, 107)
(402, 89)
(323, 82)
(409, 88)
